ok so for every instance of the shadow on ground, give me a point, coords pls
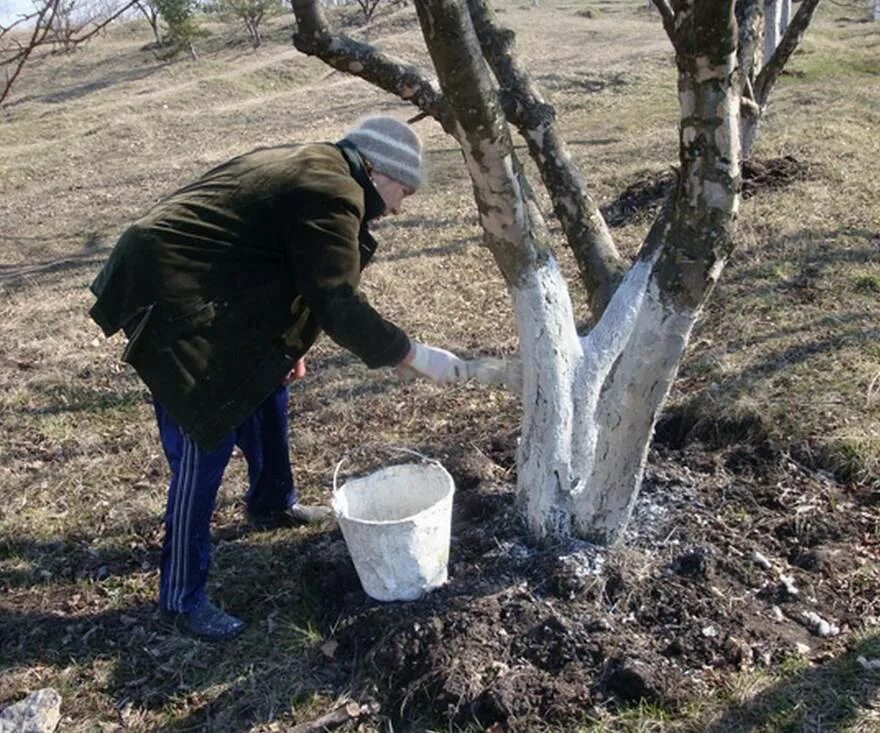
(810, 699)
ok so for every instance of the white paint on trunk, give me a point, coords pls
(590, 403)
(630, 398)
(772, 17)
(877, 10)
(562, 478)
(784, 16)
(551, 357)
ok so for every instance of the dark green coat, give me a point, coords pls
(223, 285)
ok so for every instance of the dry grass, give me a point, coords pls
(790, 341)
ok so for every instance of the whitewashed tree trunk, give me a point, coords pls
(772, 28)
(590, 406)
(784, 15)
(877, 10)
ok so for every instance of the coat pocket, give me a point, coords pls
(138, 336)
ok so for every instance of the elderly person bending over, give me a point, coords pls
(221, 289)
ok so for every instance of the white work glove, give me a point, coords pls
(438, 365)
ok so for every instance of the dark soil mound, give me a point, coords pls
(728, 554)
(642, 198)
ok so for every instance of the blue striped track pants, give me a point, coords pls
(195, 479)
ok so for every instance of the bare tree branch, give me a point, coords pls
(43, 22)
(601, 266)
(668, 16)
(790, 41)
(314, 37)
(96, 26)
(368, 7)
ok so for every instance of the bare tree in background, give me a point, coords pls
(772, 26)
(368, 8)
(53, 25)
(589, 402)
(150, 10)
(251, 13)
(66, 24)
(758, 79)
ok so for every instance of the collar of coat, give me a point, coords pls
(373, 204)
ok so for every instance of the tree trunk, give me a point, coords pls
(765, 81)
(634, 351)
(784, 15)
(750, 19)
(154, 26)
(877, 10)
(589, 405)
(772, 31)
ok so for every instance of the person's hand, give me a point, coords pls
(298, 371)
(438, 365)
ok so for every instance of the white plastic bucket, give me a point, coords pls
(396, 524)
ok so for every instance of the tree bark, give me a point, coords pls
(750, 19)
(654, 310)
(772, 14)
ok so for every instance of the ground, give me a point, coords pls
(728, 553)
(758, 519)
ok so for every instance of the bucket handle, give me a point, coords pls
(394, 448)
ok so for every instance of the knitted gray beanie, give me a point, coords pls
(392, 147)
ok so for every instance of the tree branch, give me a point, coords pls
(43, 20)
(42, 25)
(790, 41)
(601, 266)
(315, 38)
(101, 25)
(668, 16)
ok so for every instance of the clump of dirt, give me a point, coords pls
(720, 572)
(642, 199)
(772, 174)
